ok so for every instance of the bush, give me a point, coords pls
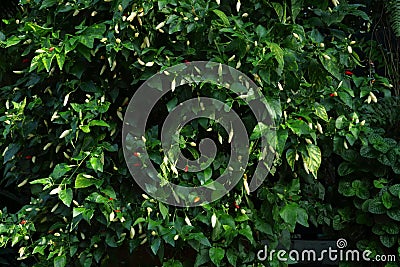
(70, 70)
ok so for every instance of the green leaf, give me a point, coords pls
(99, 123)
(277, 51)
(377, 229)
(387, 200)
(81, 181)
(391, 228)
(349, 155)
(60, 261)
(291, 158)
(222, 16)
(381, 184)
(316, 36)
(341, 121)
(261, 31)
(280, 11)
(382, 158)
(97, 198)
(39, 30)
(302, 217)
(346, 189)
(362, 191)
(345, 168)
(232, 256)
(44, 181)
(163, 210)
(77, 210)
(388, 240)
(331, 65)
(175, 26)
(139, 220)
(155, 245)
(350, 92)
(111, 240)
(259, 130)
(396, 169)
(296, 6)
(367, 152)
(202, 258)
(172, 263)
(313, 160)
(11, 41)
(172, 103)
(47, 3)
(263, 227)
(242, 218)
(60, 170)
(11, 151)
(346, 98)
(358, 81)
(377, 207)
(39, 249)
(289, 214)
(202, 239)
(85, 128)
(87, 215)
(320, 111)
(66, 196)
(216, 255)
(394, 214)
(395, 190)
(248, 233)
(299, 127)
(282, 136)
(60, 60)
(47, 61)
(97, 163)
(91, 33)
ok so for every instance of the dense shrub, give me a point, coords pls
(68, 71)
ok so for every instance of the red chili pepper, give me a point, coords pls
(136, 154)
(186, 168)
(136, 164)
(25, 60)
(347, 72)
(51, 49)
(28, 157)
(110, 198)
(117, 211)
(332, 95)
(23, 222)
(187, 62)
(236, 205)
